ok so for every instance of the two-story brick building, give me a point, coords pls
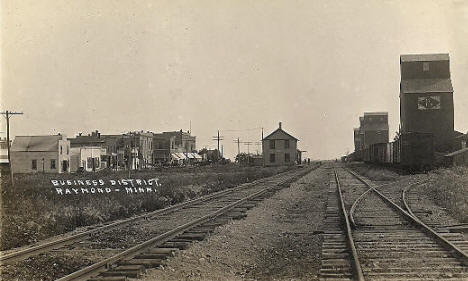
(280, 148)
(175, 147)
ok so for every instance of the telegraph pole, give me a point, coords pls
(248, 143)
(218, 138)
(8, 115)
(238, 145)
(263, 156)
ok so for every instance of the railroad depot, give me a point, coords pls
(280, 148)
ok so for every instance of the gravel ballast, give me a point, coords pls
(279, 240)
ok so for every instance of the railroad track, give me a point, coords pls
(390, 243)
(126, 248)
(416, 204)
(339, 255)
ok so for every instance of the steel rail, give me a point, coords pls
(34, 250)
(459, 252)
(357, 201)
(103, 265)
(356, 264)
(404, 198)
(353, 207)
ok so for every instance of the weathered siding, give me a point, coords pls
(22, 162)
(279, 151)
(280, 138)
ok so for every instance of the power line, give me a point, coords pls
(241, 130)
(8, 115)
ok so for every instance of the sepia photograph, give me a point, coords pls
(279, 140)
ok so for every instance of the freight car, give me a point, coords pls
(414, 151)
(411, 151)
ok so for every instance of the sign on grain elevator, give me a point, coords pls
(426, 97)
(432, 102)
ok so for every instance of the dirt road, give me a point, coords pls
(279, 240)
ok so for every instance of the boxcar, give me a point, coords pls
(415, 150)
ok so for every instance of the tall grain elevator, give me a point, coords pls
(426, 97)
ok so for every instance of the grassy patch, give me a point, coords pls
(374, 173)
(32, 210)
(449, 188)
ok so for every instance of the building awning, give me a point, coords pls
(190, 155)
(181, 155)
(197, 156)
(175, 156)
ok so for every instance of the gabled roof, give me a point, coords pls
(426, 86)
(424, 57)
(36, 143)
(277, 131)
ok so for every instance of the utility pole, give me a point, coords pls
(263, 156)
(248, 143)
(238, 145)
(218, 138)
(257, 143)
(8, 115)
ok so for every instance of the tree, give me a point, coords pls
(242, 158)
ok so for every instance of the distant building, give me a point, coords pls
(3, 152)
(133, 149)
(374, 128)
(210, 155)
(115, 151)
(358, 140)
(299, 157)
(4, 164)
(87, 158)
(426, 97)
(249, 159)
(460, 141)
(177, 147)
(141, 144)
(163, 145)
(279, 148)
(48, 154)
(88, 152)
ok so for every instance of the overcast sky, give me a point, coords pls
(237, 66)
